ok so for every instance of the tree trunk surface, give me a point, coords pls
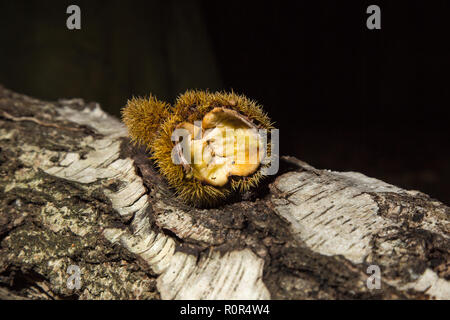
(76, 195)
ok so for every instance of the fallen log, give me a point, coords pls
(84, 215)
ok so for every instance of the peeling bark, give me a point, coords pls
(74, 191)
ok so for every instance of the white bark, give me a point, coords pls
(192, 254)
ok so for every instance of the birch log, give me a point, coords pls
(75, 192)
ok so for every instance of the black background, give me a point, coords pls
(344, 97)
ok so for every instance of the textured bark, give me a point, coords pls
(74, 191)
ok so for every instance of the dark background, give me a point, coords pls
(344, 97)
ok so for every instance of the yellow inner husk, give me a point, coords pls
(223, 146)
